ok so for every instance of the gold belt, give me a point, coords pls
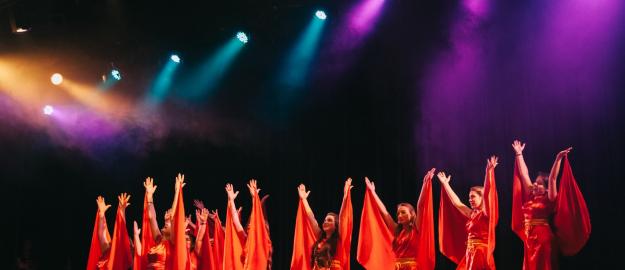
(537, 222)
(333, 263)
(405, 262)
(473, 242)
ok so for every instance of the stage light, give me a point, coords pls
(242, 37)
(22, 30)
(56, 78)
(175, 58)
(116, 74)
(48, 110)
(320, 15)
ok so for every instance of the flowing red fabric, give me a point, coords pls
(180, 253)
(491, 203)
(233, 244)
(303, 240)
(94, 251)
(258, 244)
(346, 226)
(375, 251)
(218, 244)
(452, 233)
(206, 260)
(518, 199)
(426, 258)
(121, 255)
(571, 220)
(147, 239)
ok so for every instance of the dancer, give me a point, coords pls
(328, 246)
(407, 244)
(534, 206)
(467, 234)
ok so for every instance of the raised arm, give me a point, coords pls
(390, 223)
(552, 192)
(235, 216)
(137, 238)
(520, 162)
(444, 179)
(426, 179)
(303, 195)
(102, 229)
(150, 188)
(177, 188)
(201, 216)
(491, 163)
(346, 189)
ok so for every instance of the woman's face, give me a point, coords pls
(404, 215)
(329, 224)
(166, 231)
(538, 188)
(475, 199)
(188, 241)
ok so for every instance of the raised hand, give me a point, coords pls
(370, 185)
(444, 179)
(429, 175)
(150, 188)
(564, 152)
(230, 191)
(491, 163)
(180, 181)
(123, 201)
(253, 187)
(518, 147)
(168, 215)
(136, 229)
(198, 204)
(201, 216)
(301, 191)
(348, 186)
(214, 215)
(102, 206)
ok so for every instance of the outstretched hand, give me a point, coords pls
(491, 163)
(253, 187)
(150, 188)
(518, 147)
(301, 191)
(348, 186)
(102, 206)
(214, 215)
(429, 175)
(123, 201)
(136, 229)
(564, 152)
(230, 191)
(370, 185)
(198, 204)
(180, 181)
(444, 179)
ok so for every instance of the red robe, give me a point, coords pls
(470, 242)
(375, 248)
(180, 253)
(97, 259)
(258, 243)
(120, 253)
(219, 236)
(206, 259)
(147, 240)
(233, 244)
(531, 217)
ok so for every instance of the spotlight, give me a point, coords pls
(56, 78)
(320, 15)
(116, 74)
(22, 30)
(48, 110)
(242, 37)
(175, 58)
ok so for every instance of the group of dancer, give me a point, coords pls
(549, 220)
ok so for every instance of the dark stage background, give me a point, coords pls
(433, 83)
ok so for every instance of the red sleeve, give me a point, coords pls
(571, 220)
(180, 253)
(121, 255)
(258, 243)
(346, 224)
(452, 233)
(375, 250)
(94, 251)
(492, 210)
(518, 198)
(233, 245)
(426, 255)
(218, 243)
(206, 259)
(303, 240)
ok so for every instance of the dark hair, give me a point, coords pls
(411, 224)
(544, 177)
(334, 237)
(478, 189)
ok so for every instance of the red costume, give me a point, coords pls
(531, 219)
(409, 249)
(470, 242)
